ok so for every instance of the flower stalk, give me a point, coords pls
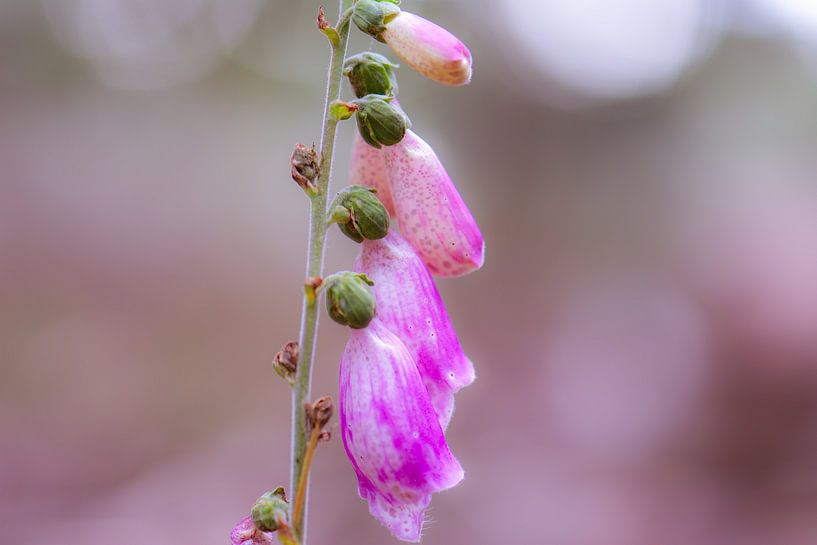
(300, 497)
(314, 269)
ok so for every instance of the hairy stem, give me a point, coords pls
(314, 268)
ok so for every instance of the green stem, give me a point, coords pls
(314, 267)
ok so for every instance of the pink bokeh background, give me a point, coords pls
(644, 329)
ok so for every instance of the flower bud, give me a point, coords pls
(285, 362)
(360, 214)
(349, 299)
(371, 16)
(319, 413)
(380, 123)
(305, 166)
(428, 48)
(270, 510)
(371, 74)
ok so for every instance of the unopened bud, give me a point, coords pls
(371, 74)
(360, 214)
(379, 122)
(349, 299)
(319, 413)
(305, 166)
(270, 510)
(371, 16)
(285, 362)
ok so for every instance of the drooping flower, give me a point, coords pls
(431, 213)
(245, 533)
(390, 431)
(368, 167)
(428, 48)
(410, 306)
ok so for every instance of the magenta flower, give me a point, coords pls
(245, 533)
(431, 213)
(428, 48)
(391, 432)
(410, 306)
(368, 167)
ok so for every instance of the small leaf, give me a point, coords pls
(332, 35)
(340, 110)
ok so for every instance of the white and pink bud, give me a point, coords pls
(410, 306)
(390, 431)
(425, 46)
(432, 215)
(428, 48)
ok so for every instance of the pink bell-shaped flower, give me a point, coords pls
(431, 213)
(368, 167)
(428, 48)
(410, 306)
(391, 432)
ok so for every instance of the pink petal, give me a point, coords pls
(368, 167)
(245, 533)
(390, 431)
(409, 305)
(432, 215)
(428, 48)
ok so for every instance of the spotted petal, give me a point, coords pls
(430, 211)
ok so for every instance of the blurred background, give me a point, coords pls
(644, 329)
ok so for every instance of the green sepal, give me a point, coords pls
(372, 16)
(332, 35)
(371, 74)
(379, 122)
(359, 214)
(270, 510)
(340, 111)
(349, 299)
